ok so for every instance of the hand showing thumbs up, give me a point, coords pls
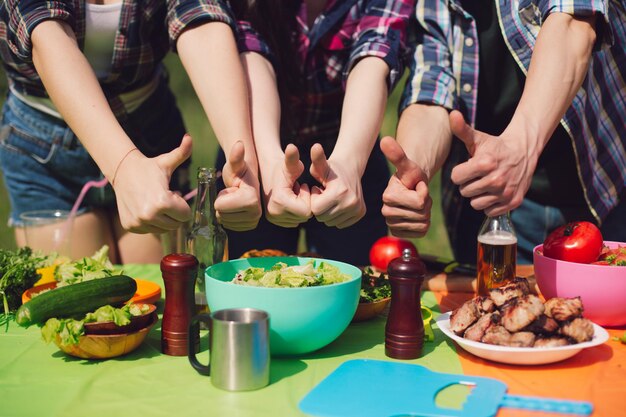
(238, 206)
(288, 202)
(499, 170)
(144, 200)
(340, 202)
(406, 201)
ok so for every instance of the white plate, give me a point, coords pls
(520, 355)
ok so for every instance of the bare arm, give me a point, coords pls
(424, 134)
(500, 170)
(362, 113)
(557, 70)
(145, 203)
(62, 67)
(210, 57)
(287, 202)
(341, 202)
(423, 144)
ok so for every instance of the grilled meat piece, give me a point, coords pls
(564, 309)
(477, 330)
(548, 342)
(543, 325)
(579, 329)
(522, 339)
(464, 316)
(496, 335)
(518, 287)
(485, 304)
(520, 312)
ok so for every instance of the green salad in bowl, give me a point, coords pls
(283, 275)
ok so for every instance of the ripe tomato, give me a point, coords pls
(387, 248)
(579, 242)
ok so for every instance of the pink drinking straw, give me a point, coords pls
(68, 223)
(98, 184)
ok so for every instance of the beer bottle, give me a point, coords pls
(497, 253)
(206, 239)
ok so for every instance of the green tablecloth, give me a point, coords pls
(39, 380)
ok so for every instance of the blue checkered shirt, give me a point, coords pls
(444, 71)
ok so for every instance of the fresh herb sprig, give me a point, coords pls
(374, 287)
(18, 272)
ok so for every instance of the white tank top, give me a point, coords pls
(101, 22)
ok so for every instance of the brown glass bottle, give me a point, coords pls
(496, 256)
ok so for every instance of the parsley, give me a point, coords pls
(18, 272)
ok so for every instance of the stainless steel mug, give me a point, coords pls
(239, 348)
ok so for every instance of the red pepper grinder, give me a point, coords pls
(404, 332)
(179, 275)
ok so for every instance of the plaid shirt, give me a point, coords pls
(146, 29)
(444, 71)
(345, 32)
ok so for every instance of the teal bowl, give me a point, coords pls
(301, 319)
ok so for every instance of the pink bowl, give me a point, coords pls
(602, 288)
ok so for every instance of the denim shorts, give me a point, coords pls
(45, 165)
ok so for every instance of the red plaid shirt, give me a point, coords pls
(344, 33)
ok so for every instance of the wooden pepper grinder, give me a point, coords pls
(179, 275)
(404, 332)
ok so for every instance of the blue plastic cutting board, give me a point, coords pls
(369, 388)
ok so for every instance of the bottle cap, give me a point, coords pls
(407, 266)
(175, 262)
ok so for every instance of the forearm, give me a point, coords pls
(210, 57)
(75, 91)
(362, 113)
(425, 136)
(558, 67)
(265, 111)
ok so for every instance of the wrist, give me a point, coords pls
(122, 159)
(349, 162)
(268, 165)
(532, 136)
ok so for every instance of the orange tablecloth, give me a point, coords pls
(597, 374)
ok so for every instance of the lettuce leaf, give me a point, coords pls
(96, 266)
(68, 330)
(282, 275)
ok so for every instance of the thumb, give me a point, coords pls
(293, 166)
(236, 159)
(462, 130)
(171, 160)
(407, 171)
(319, 164)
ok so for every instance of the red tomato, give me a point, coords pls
(579, 242)
(387, 248)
